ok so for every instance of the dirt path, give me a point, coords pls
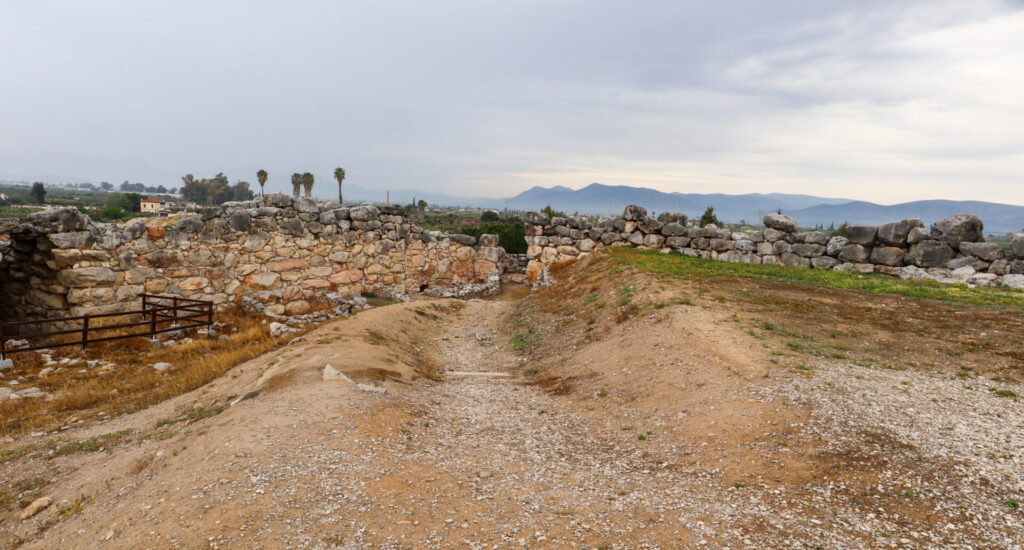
(485, 457)
(484, 461)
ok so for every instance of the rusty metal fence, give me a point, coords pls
(159, 314)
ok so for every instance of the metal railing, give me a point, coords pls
(157, 317)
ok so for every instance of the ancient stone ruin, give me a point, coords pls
(280, 252)
(953, 251)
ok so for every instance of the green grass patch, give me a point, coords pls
(205, 412)
(92, 444)
(651, 261)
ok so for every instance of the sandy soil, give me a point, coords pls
(668, 428)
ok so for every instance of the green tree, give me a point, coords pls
(709, 217)
(296, 183)
(106, 185)
(126, 202)
(489, 216)
(261, 176)
(552, 212)
(339, 174)
(240, 191)
(307, 183)
(38, 192)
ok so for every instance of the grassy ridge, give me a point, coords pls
(651, 261)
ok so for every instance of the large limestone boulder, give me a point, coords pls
(672, 217)
(835, 245)
(888, 255)
(861, 234)
(854, 253)
(190, 224)
(71, 239)
(536, 218)
(959, 228)
(364, 213)
(989, 252)
(278, 200)
(58, 220)
(240, 220)
(780, 222)
(1013, 281)
(86, 276)
(929, 254)
(634, 213)
(896, 233)
(1017, 246)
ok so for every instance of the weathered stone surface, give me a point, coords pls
(896, 233)
(262, 280)
(1013, 281)
(673, 229)
(861, 234)
(1017, 246)
(808, 250)
(162, 259)
(38, 505)
(287, 265)
(959, 228)
(634, 213)
(331, 373)
(780, 222)
(989, 252)
(672, 217)
(189, 224)
(86, 276)
(240, 220)
(815, 237)
(467, 240)
(916, 235)
(888, 255)
(346, 277)
(929, 254)
(488, 240)
(824, 262)
(789, 258)
(772, 235)
(74, 239)
(854, 253)
(536, 218)
(835, 245)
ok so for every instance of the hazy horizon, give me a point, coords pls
(881, 102)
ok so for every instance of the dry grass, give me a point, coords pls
(134, 384)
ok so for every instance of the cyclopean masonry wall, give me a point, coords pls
(953, 251)
(282, 251)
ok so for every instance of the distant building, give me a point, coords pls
(152, 205)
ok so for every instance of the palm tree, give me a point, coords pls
(296, 183)
(339, 174)
(261, 176)
(307, 183)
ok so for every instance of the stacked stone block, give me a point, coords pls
(954, 250)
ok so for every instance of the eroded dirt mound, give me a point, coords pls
(615, 409)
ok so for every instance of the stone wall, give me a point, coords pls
(953, 251)
(285, 252)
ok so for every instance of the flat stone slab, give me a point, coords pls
(478, 374)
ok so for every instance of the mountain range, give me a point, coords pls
(808, 210)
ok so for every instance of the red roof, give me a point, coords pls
(153, 200)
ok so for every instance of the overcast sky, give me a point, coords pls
(885, 101)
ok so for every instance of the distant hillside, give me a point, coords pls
(611, 199)
(808, 210)
(998, 218)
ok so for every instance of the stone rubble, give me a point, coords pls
(277, 255)
(953, 251)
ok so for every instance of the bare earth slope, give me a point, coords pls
(653, 421)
